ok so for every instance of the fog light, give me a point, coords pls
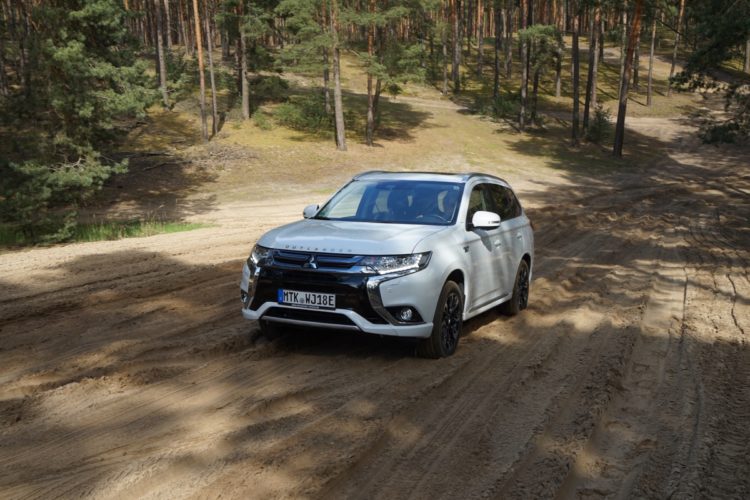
(406, 314)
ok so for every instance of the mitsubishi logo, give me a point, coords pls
(311, 264)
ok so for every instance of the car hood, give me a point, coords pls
(347, 237)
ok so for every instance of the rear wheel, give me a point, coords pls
(520, 299)
(446, 325)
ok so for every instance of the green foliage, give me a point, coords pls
(395, 62)
(83, 81)
(268, 89)
(261, 121)
(719, 28)
(600, 125)
(547, 46)
(37, 200)
(505, 105)
(308, 37)
(182, 75)
(99, 231)
(736, 128)
(304, 113)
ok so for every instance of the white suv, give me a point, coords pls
(395, 253)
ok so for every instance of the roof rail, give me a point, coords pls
(480, 174)
(362, 174)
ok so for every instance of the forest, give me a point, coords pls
(76, 75)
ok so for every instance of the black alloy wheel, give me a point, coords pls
(520, 299)
(446, 325)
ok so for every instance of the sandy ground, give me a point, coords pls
(127, 370)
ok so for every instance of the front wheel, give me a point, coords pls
(446, 324)
(520, 299)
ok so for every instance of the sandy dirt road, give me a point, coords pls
(127, 371)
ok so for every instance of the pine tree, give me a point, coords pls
(78, 80)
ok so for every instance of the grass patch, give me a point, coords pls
(101, 231)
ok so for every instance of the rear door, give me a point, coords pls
(512, 232)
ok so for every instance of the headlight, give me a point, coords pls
(259, 256)
(390, 264)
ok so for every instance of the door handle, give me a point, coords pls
(519, 236)
(497, 243)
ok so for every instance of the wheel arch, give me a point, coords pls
(459, 277)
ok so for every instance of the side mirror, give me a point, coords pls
(310, 211)
(485, 220)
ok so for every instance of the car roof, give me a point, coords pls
(383, 175)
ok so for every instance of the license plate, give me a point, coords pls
(312, 300)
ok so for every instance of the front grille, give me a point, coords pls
(307, 315)
(313, 260)
(350, 288)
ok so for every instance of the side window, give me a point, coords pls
(505, 202)
(514, 207)
(480, 199)
(499, 201)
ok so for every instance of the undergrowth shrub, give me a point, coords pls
(600, 125)
(261, 121)
(504, 105)
(304, 113)
(268, 89)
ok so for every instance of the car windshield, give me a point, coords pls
(395, 201)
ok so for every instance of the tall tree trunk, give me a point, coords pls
(326, 81)
(455, 68)
(168, 22)
(370, 96)
(210, 47)
(189, 40)
(600, 34)
(746, 66)
(576, 74)
(534, 95)
(524, 67)
(590, 101)
(444, 40)
(637, 62)
(649, 90)
(182, 37)
(622, 108)
(498, 47)
(242, 54)
(623, 38)
(507, 15)
(338, 105)
(224, 38)
(676, 44)
(201, 72)
(480, 36)
(160, 58)
(3, 74)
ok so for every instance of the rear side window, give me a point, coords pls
(505, 202)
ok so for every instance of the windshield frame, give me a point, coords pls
(336, 197)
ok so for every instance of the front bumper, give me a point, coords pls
(359, 307)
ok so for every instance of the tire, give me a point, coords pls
(447, 322)
(520, 299)
(269, 329)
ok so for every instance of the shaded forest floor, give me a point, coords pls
(129, 372)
